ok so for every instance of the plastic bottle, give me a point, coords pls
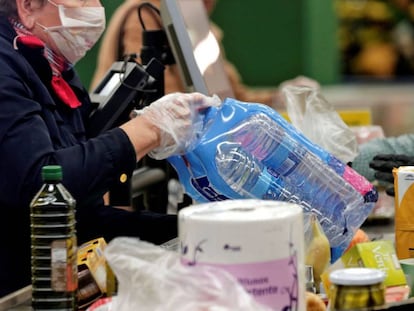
(248, 150)
(260, 160)
(54, 245)
(248, 176)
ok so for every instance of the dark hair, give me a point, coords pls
(9, 7)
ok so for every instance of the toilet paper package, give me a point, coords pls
(259, 242)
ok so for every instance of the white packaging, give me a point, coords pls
(260, 242)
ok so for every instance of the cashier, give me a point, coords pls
(43, 120)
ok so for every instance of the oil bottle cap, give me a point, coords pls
(52, 172)
(357, 276)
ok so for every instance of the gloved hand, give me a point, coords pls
(179, 118)
(383, 165)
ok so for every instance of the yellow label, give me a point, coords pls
(376, 254)
(356, 117)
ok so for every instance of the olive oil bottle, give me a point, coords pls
(53, 244)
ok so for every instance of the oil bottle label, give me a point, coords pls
(64, 265)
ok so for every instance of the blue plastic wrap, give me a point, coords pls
(248, 150)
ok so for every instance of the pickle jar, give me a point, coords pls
(356, 289)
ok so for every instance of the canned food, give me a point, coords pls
(356, 288)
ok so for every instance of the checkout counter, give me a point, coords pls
(17, 301)
(391, 106)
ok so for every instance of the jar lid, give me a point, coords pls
(357, 276)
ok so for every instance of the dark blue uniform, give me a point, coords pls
(37, 129)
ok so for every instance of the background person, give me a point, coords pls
(124, 36)
(382, 154)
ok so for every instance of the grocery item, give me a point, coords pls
(314, 302)
(379, 255)
(356, 289)
(404, 212)
(248, 150)
(318, 252)
(309, 279)
(360, 236)
(407, 265)
(259, 242)
(95, 277)
(54, 245)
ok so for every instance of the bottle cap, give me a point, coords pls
(357, 276)
(52, 172)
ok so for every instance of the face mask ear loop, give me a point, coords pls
(51, 2)
(44, 27)
(15, 43)
(41, 26)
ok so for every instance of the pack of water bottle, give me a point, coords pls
(249, 150)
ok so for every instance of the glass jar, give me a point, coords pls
(356, 288)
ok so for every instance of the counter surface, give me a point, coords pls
(20, 300)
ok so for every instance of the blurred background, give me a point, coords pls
(268, 41)
(360, 51)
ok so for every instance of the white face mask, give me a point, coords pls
(80, 30)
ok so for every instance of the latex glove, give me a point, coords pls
(383, 165)
(179, 116)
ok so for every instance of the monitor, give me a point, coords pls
(196, 50)
(122, 88)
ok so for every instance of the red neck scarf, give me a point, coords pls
(56, 62)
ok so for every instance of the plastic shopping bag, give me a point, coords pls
(317, 119)
(151, 278)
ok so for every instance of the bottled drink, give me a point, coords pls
(54, 245)
(248, 150)
(259, 160)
